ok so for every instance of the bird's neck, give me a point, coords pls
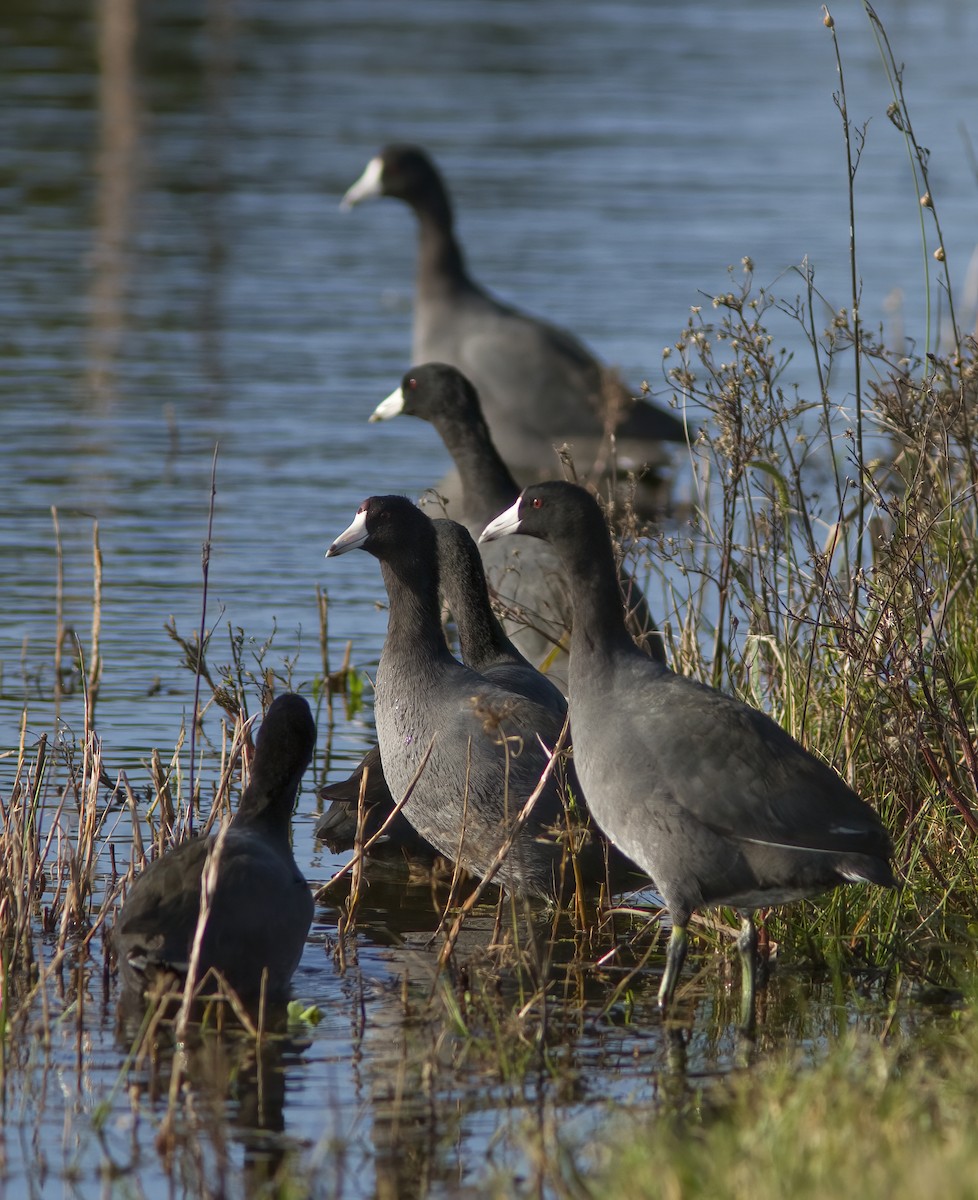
(481, 638)
(414, 618)
(598, 613)
(257, 811)
(441, 264)
(487, 483)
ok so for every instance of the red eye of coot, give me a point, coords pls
(412, 384)
(537, 502)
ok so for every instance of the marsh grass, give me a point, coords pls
(866, 655)
(828, 572)
(871, 1119)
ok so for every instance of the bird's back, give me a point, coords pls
(539, 385)
(260, 912)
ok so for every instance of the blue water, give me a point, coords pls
(177, 276)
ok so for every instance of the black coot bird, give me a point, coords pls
(485, 648)
(261, 907)
(482, 740)
(526, 577)
(539, 385)
(714, 799)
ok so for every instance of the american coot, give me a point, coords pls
(526, 576)
(261, 907)
(485, 648)
(539, 385)
(484, 758)
(711, 797)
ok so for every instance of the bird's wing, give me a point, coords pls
(743, 776)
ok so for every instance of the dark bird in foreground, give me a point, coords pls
(525, 575)
(714, 799)
(261, 907)
(469, 748)
(540, 386)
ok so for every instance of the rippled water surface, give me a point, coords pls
(177, 277)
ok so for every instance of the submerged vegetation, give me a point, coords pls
(824, 570)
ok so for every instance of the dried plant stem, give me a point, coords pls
(322, 608)
(59, 595)
(205, 561)
(95, 652)
(852, 165)
(899, 114)
(208, 885)
(233, 756)
(504, 849)
(347, 918)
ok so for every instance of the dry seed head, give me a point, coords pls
(827, 20)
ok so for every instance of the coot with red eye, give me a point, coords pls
(526, 576)
(540, 386)
(485, 648)
(714, 799)
(469, 750)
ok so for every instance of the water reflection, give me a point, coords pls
(452, 1071)
(115, 175)
(199, 1094)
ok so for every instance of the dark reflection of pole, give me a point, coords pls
(115, 164)
(414, 1123)
(219, 67)
(406, 1090)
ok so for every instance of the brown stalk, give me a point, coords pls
(504, 849)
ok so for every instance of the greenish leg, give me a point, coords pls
(747, 948)
(675, 957)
